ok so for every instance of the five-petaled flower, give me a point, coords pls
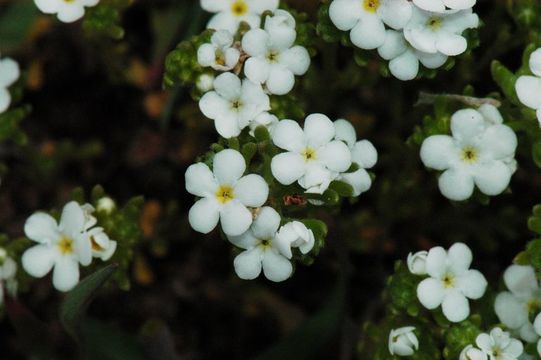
(403, 341)
(451, 282)
(225, 194)
(219, 54)
(230, 13)
(499, 345)
(66, 10)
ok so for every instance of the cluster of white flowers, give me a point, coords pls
(230, 13)
(496, 345)
(67, 11)
(64, 245)
(528, 87)
(9, 74)
(450, 282)
(8, 270)
(403, 341)
(480, 152)
(407, 33)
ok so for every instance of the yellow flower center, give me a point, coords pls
(239, 8)
(224, 194)
(65, 245)
(371, 5)
(220, 58)
(69, 1)
(309, 154)
(448, 281)
(265, 244)
(272, 56)
(95, 245)
(236, 105)
(469, 155)
(434, 23)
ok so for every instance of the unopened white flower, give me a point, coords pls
(261, 250)
(404, 59)
(233, 104)
(442, 5)
(220, 53)
(294, 234)
(106, 205)
(451, 282)
(225, 194)
(205, 83)
(366, 19)
(274, 61)
(480, 152)
(363, 153)
(88, 212)
(264, 119)
(417, 262)
(472, 353)
(102, 247)
(431, 32)
(524, 296)
(66, 10)
(62, 245)
(529, 87)
(8, 269)
(499, 345)
(230, 13)
(9, 74)
(403, 341)
(313, 158)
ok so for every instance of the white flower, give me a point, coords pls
(471, 353)
(367, 19)
(363, 153)
(480, 152)
(403, 341)
(102, 246)
(233, 104)
(230, 13)
(404, 59)
(417, 262)
(264, 119)
(90, 219)
(220, 53)
(106, 205)
(66, 10)
(514, 306)
(9, 73)
(225, 194)
(451, 282)
(499, 345)
(63, 246)
(205, 83)
(8, 269)
(261, 251)
(313, 158)
(529, 87)
(274, 61)
(294, 234)
(442, 5)
(440, 32)
(537, 327)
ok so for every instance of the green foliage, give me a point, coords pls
(104, 19)
(15, 23)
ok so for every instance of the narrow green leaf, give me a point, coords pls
(342, 188)
(505, 79)
(77, 300)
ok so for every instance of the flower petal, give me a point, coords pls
(318, 129)
(235, 218)
(345, 131)
(436, 262)
(251, 190)
(246, 240)
(405, 67)
(288, 167)
(430, 5)
(394, 45)
(359, 180)
(492, 178)
(72, 221)
(456, 185)
(528, 89)
(336, 156)
(41, 228)
(213, 105)
(484, 342)
(204, 215)
(206, 55)
(256, 42)
(369, 33)
(9, 72)
(364, 154)
(228, 86)
(466, 124)
(200, 180)
(296, 59)
(431, 61)
(38, 260)
(65, 273)
(281, 80)
(510, 310)
(214, 5)
(521, 280)
(438, 152)
(228, 166)
(260, 6)
(430, 293)
(395, 13)
(257, 70)
(70, 13)
(472, 284)
(276, 267)
(48, 6)
(224, 21)
(459, 257)
(5, 99)
(491, 114)
(248, 264)
(266, 224)
(535, 62)
(228, 125)
(345, 14)
(288, 135)
(455, 307)
(451, 44)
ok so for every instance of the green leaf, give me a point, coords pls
(505, 79)
(16, 22)
(77, 300)
(261, 133)
(248, 151)
(342, 188)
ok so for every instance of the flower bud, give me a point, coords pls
(403, 341)
(417, 262)
(106, 205)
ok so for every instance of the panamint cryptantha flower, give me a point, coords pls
(417, 262)
(499, 345)
(403, 341)
(440, 32)
(274, 61)
(66, 10)
(233, 104)
(528, 87)
(480, 152)
(225, 194)
(9, 74)
(219, 54)
(366, 19)
(451, 282)
(442, 5)
(524, 296)
(294, 235)
(230, 13)
(312, 157)
(363, 153)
